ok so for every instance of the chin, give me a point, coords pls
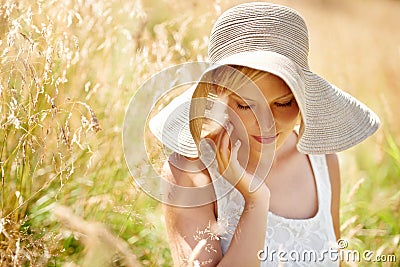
(257, 148)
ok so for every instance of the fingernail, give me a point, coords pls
(207, 154)
(226, 123)
(237, 143)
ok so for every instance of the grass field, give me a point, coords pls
(68, 71)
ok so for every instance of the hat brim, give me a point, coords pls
(333, 120)
(336, 120)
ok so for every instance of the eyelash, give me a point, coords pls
(280, 105)
(287, 104)
(243, 107)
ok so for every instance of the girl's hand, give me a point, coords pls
(229, 167)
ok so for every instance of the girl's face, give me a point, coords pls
(265, 112)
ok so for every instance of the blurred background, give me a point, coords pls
(68, 72)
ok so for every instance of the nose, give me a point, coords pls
(265, 120)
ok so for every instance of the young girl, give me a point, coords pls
(274, 195)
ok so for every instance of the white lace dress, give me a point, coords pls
(289, 242)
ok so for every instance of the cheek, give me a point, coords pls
(286, 117)
(242, 121)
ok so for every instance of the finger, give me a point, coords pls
(229, 128)
(205, 147)
(208, 155)
(224, 148)
(235, 148)
(222, 164)
(207, 152)
(234, 158)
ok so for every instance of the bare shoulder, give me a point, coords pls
(184, 171)
(186, 182)
(189, 188)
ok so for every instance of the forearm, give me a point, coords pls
(249, 236)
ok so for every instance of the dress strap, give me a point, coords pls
(321, 174)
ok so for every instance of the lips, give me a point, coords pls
(265, 139)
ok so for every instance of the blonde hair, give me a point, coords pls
(214, 84)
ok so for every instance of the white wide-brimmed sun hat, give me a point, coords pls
(274, 38)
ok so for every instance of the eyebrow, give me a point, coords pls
(234, 95)
(284, 96)
(241, 98)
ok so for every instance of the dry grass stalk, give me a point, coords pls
(101, 246)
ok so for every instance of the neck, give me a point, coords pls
(258, 163)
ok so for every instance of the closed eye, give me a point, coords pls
(285, 104)
(243, 107)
